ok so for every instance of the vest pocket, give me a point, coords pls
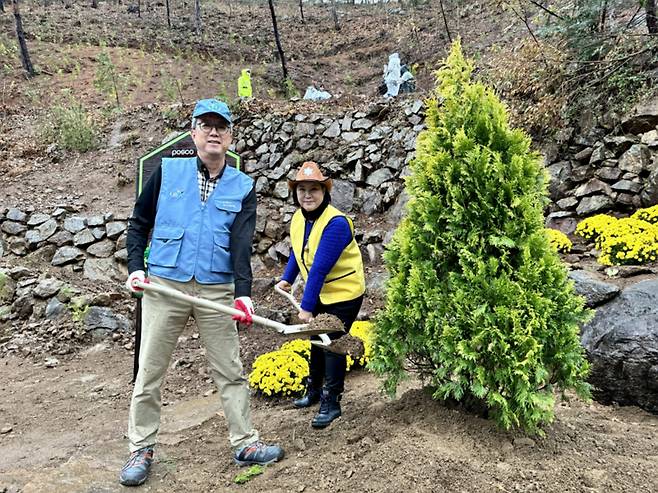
(221, 255)
(165, 246)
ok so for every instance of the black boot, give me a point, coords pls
(329, 409)
(312, 396)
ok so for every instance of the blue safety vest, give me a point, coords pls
(192, 238)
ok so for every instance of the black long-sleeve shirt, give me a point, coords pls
(242, 231)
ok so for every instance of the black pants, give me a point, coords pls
(327, 367)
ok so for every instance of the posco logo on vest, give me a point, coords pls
(182, 152)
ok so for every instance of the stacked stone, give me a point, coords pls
(366, 152)
(600, 173)
(95, 244)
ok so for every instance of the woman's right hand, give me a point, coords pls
(285, 285)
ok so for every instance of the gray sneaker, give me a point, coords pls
(137, 468)
(258, 453)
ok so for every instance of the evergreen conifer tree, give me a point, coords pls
(477, 300)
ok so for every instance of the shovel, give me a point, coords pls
(300, 329)
(324, 341)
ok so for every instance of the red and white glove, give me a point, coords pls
(244, 304)
(138, 275)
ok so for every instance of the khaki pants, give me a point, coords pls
(163, 320)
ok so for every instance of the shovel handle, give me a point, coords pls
(174, 293)
(289, 296)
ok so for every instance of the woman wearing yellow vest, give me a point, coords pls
(325, 253)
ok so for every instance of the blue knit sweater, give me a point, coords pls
(335, 237)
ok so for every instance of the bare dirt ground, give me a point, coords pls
(62, 424)
(67, 426)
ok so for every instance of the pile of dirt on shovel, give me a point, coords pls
(328, 323)
(347, 344)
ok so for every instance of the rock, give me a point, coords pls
(627, 186)
(622, 346)
(32, 238)
(23, 306)
(104, 269)
(17, 215)
(593, 186)
(608, 173)
(18, 246)
(363, 123)
(47, 288)
(281, 190)
(83, 238)
(595, 291)
(636, 159)
(371, 201)
(66, 255)
(649, 196)
(102, 249)
(102, 321)
(342, 195)
(47, 229)
(333, 131)
(378, 177)
(642, 118)
(54, 309)
(595, 203)
(560, 179)
(74, 224)
(60, 238)
(13, 228)
(37, 218)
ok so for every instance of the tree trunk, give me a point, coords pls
(197, 16)
(652, 20)
(94, 4)
(445, 21)
(335, 15)
(301, 9)
(278, 42)
(2, 5)
(168, 14)
(20, 34)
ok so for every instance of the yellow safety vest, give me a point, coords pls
(346, 280)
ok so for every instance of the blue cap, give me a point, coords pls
(204, 106)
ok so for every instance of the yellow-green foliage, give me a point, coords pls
(592, 227)
(632, 240)
(650, 214)
(279, 372)
(478, 302)
(559, 240)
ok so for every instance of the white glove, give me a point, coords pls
(244, 304)
(138, 275)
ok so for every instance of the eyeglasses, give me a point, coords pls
(206, 128)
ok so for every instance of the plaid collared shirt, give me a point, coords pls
(207, 184)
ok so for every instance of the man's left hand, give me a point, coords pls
(244, 304)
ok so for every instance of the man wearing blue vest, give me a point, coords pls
(201, 215)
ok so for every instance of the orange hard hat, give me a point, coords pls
(310, 171)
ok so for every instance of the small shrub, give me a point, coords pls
(279, 373)
(71, 127)
(559, 240)
(477, 301)
(289, 89)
